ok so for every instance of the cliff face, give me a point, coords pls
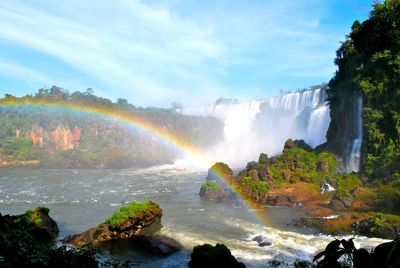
(62, 138)
(341, 130)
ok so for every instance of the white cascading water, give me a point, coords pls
(264, 125)
(352, 161)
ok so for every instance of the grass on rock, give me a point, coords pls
(129, 212)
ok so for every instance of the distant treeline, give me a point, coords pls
(62, 137)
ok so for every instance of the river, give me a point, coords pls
(80, 199)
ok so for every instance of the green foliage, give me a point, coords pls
(388, 196)
(18, 148)
(257, 187)
(32, 217)
(296, 164)
(104, 142)
(20, 248)
(346, 183)
(211, 186)
(129, 212)
(369, 64)
(221, 169)
(386, 220)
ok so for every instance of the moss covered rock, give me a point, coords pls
(129, 221)
(379, 225)
(219, 171)
(38, 221)
(211, 190)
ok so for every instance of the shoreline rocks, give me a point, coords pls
(36, 221)
(146, 221)
(213, 256)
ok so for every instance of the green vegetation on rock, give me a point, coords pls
(346, 183)
(296, 165)
(129, 212)
(257, 187)
(24, 245)
(32, 217)
(211, 186)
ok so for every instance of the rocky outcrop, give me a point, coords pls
(213, 256)
(339, 203)
(37, 222)
(380, 225)
(62, 138)
(220, 172)
(282, 200)
(144, 218)
(157, 244)
(219, 176)
(211, 190)
(289, 144)
(262, 241)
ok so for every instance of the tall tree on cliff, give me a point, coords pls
(369, 64)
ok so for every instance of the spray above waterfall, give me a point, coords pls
(264, 125)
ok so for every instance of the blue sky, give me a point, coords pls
(156, 52)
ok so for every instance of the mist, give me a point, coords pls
(264, 125)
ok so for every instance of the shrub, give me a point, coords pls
(211, 186)
(260, 187)
(32, 217)
(347, 183)
(129, 212)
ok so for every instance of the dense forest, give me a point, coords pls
(56, 136)
(369, 65)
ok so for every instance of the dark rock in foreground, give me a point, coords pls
(157, 244)
(379, 225)
(37, 222)
(262, 241)
(124, 224)
(213, 256)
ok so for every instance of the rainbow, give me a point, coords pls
(145, 126)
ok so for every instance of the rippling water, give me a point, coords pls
(80, 199)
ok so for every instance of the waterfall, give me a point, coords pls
(264, 125)
(352, 156)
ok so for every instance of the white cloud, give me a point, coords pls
(154, 54)
(23, 73)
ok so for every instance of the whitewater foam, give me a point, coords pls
(264, 125)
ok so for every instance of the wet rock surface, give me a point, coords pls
(146, 222)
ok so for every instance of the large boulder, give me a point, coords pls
(45, 227)
(130, 221)
(289, 144)
(213, 256)
(263, 159)
(220, 172)
(36, 221)
(211, 190)
(158, 244)
(281, 201)
(379, 225)
(341, 203)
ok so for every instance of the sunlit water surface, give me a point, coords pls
(80, 199)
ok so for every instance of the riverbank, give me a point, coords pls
(335, 203)
(28, 163)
